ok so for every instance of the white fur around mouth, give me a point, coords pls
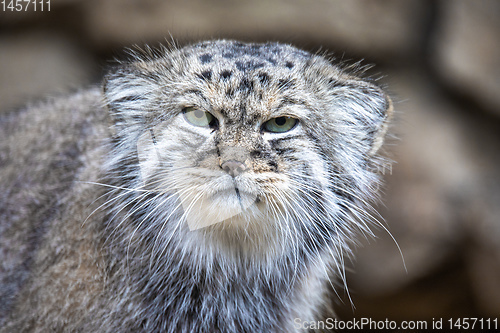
(201, 211)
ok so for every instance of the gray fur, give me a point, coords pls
(92, 240)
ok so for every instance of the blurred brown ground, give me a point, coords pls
(441, 63)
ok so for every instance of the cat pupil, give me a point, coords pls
(280, 121)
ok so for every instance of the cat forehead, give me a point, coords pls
(241, 79)
(245, 57)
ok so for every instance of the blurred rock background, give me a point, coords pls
(441, 63)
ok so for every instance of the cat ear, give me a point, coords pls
(364, 111)
(126, 92)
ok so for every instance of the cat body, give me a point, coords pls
(211, 188)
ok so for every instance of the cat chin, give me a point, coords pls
(201, 211)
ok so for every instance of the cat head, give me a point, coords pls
(247, 137)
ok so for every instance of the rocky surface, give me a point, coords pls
(467, 49)
(33, 65)
(380, 27)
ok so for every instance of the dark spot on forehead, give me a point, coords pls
(205, 58)
(272, 61)
(246, 85)
(264, 78)
(225, 74)
(289, 64)
(273, 165)
(251, 56)
(248, 65)
(241, 66)
(205, 75)
(230, 92)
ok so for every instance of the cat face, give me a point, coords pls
(249, 135)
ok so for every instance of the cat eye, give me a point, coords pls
(280, 124)
(198, 117)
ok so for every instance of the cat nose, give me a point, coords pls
(233, 167)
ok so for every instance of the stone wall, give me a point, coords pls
(441, 63)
